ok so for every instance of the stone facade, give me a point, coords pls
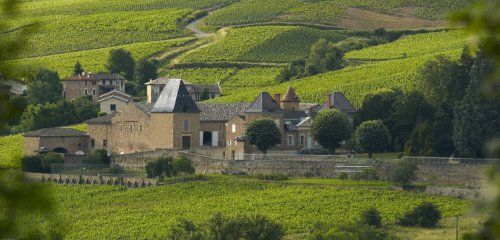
(93, 85)
(130, 130)
(113, 101)
(56, 139)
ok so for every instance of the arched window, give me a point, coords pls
(186, 125)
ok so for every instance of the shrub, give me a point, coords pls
(183, 165)
(116, 169)
(272, 177)
(404, 174)
(343, 176)
(161, 167)
(370, 174)
(31, 163)
(184, 230)
(425, 215)
(371, 217)
(47, 159)
(251, 228)
(99, 156)
(313, 151)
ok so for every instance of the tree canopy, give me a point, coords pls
(330, 128)
(44, 86)
(372, 136)
(263, 134)
(121, 61)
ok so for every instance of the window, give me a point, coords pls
(64, 94)
(92, 143)
(85, 92)
(302, 140)
(140, 128)
(233, 128)
(121, 127)
(85, 83)
(131, 127)
(103, 82)
(93, 83)
(79, 144)
(291, 140)
(112, 107)
(93, 91)
(104, 143)
(186, 125)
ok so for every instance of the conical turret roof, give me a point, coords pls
(290, 96)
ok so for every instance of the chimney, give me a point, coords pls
(277, 98)
(328, 101)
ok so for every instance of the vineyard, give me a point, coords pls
(358, 80)
(93, 60)
(11, 148)
(201, 75)
(328, 12)
(62, 34)
(110, 212)
(278, 44)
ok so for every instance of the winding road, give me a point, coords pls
(193, 27)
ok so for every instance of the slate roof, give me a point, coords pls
(106, 119)
(95, 76)
(221, 111)
(294, 114)
(290, 96)
(340, 102)
(55, 132)
(115, 94)
(175, 98)
(161, 81)
(144, 106)
(199, 88)
(264, 103)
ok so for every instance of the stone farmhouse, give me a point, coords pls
(93, 85)
(176, 121)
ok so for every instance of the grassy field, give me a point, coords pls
(11, 148)
(114, 212)
(391, 70)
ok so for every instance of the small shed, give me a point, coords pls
(61, 140)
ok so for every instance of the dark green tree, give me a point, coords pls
(48, 159)
(99, 156)
(421, 141)
(183, 165)
(263, 134)
(409, 109)
(161, 167)
(294, 70)
(378, 105)
(78, 69)
(372, 136)
(84, 109)
(425, 215)
(404, 173)
(330, 128)
(323, 57)
(44, 86)
(371, 217)
(185, 230)
(476, 116)
(145, 70)
(121, 61)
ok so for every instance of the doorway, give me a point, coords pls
(186, 142)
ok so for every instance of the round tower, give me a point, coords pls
(290, 101)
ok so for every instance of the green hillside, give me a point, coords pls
(361, 78)
(328, 12)
(113, 212)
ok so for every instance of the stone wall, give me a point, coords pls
(463, 175)
(72, 144)
(130, 131)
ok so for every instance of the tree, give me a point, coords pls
(84, 109)
(476, 116)
(47, 159)
(330, 128)
(378, 105)
(183, 165)
(405, 173)
(371, 217)
(185, 230)
(44, 86)
(99, 156)
(121, 61)
(372, 136)
(421, 141)
(323, 57)
(425, 215)
(409, 110)
(145, 70)
(251, 228)
(161, 167)
(78, 69)
(263, 134)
